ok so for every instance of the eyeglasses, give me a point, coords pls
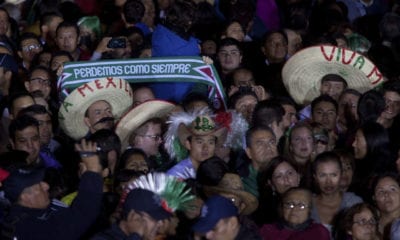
(42, 81)
(364, 222)
(292, 205)
(154, 137)
(31, 47)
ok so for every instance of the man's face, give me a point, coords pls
(37, 196)
(67, 39)
(45, 128)
(332, 88)
(263, 147)
(275, 48)
(201, 147)
(223, 230)
(325, 114)
(97, 111)
(29, 49)
(229, 57)
(21, 103)
(28, 140)
(39, 81)
(149, 141)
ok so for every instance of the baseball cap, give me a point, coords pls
(213, 210)
(142, 200)
(19, 179)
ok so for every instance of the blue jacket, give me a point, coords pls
(166, 43)
(59, 223)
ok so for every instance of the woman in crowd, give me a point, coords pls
(300, 145)
(329, 199)
(373, 156)
(361, 223)
(295, 221)
(279, 176)
(386, 189)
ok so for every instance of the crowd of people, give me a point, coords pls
(304, 145)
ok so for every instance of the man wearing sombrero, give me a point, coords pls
(141, 128)
(94, 105)
(199, 137)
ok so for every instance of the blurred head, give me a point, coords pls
(244, 103)
(348, 164)
(275, 46)
(67, 37)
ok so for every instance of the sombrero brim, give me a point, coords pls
(139, 115)
(303, 71)
(116, 91)
(248, 199)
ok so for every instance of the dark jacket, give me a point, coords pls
(166, 43)
(62, 223)
(246, 233)
(115, 233)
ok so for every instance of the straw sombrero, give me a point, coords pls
(302, 73)
(116, 91)
(139, 115)
(232, 184)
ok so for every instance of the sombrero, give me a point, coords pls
(302, 72)
(139, 115)
(232, 184)
(116, 91)
(202, 125)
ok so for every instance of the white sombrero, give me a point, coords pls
(139, 115)
(116, 91)
(303, 71)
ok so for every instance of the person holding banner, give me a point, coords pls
(173, 39)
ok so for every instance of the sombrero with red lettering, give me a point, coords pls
(139, 115)
(116, 91)
(303, 71)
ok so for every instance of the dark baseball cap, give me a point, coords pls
(142, 200)
(213, 210)
(19, 179)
